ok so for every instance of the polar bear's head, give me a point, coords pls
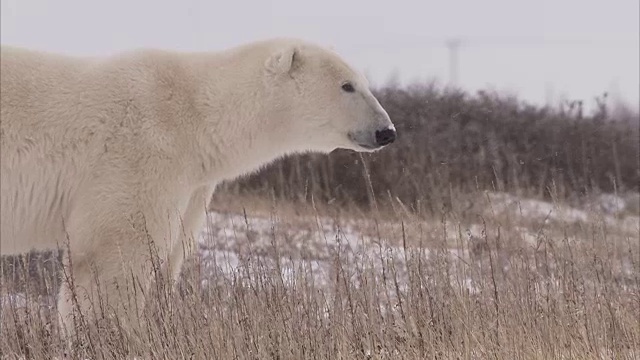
(325, 102)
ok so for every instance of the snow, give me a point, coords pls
(317, 248)
(607, 208)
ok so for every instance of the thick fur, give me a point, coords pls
(104, 154)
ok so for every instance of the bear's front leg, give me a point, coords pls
(111, 260)
(191, 224)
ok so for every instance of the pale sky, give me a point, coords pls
(539, 50)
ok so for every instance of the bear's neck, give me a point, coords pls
(241, 130)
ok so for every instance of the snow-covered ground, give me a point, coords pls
(313, 246)
(306, 245)
(606, 207)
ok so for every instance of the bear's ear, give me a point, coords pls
(283, 61)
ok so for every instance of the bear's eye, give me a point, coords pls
(348, 87)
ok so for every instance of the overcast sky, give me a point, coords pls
(540, 50)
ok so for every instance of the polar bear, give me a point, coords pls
(101, 155)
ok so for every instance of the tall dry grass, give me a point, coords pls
(424, 289)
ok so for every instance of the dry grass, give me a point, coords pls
(293, 282)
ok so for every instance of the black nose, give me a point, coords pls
(385, 137)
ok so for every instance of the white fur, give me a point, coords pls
(109, 153)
